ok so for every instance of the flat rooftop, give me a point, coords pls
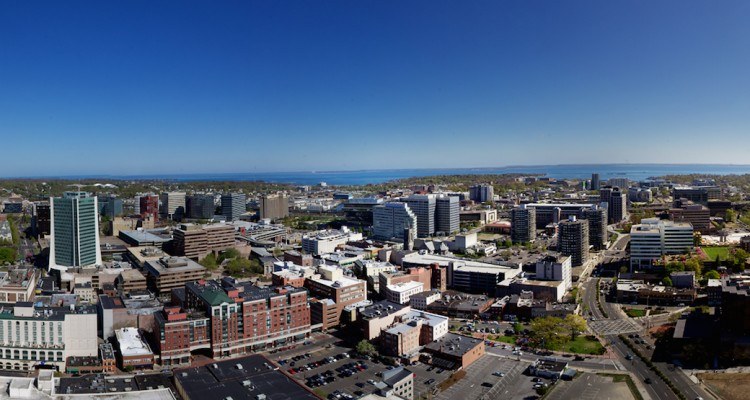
(240, 378)
(453, 344)
(131, 343)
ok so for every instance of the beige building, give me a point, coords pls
(18, 284)
(168, 273)
(131, 280)
(195, 241)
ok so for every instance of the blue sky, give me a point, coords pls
(143, 87)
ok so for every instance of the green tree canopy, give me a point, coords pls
(667, 281)
(712, 275)
(366, 348)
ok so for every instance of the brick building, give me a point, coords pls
(180, 332)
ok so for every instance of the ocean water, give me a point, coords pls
(635, 172)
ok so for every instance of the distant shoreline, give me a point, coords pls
(635, 172)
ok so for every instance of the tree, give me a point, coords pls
(575, 323)
(242, 267)
(209, 262)
(365, 348)
(7, 255)
(697, 239)
(667, 281)
(229, 254)
(547, 331)
(712, 275)
(730, 215)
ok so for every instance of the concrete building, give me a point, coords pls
(200, 206)
(735, 305)
(597, 220)
(483, 216)
(618, 206)
(233, 205)
(573, 240)
(401, 292)
(327, 241)
(274, 206)
(173, 205)
(74, 236)
(476, 277)
(447, 209)
(42, 218)
(523, 224)
(400, 382)
(653, 238)
(391, 219)
(556, 269)
(683, 279)
(423, 206)
(482, 193)
(244, 318)
(33, 336)
(195, 241)
(169, 273)
(18, 284)
(109, 206)
(420, 301)
(696, 214)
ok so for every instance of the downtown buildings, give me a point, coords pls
(482, 193)
(232, 206)
(392, 220)
(274, 206)
(523, 224)
(435, 213)
(74, 232)
(173, 205)
(573, 240)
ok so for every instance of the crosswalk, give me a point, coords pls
(614, 326)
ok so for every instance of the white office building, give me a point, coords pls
(556, 269)
(391, 219)
(401, 292)
(326, 241)
(653, 238)
(423, 206)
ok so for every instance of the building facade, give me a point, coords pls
(523, 224)
(573, 240)
(391, 219)
(232, 205)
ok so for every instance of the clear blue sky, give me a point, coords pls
(137, 87)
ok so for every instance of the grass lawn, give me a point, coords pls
(634, 312)
(712, 252)
(583, 345)
(504, 339)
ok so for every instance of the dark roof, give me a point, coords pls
(385, 307)
(241, 378)
(453, 345)
(96, 383)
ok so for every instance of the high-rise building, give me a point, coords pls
(41, 220)
(573, 240)
(605, 194)
(482, 193)
(173, 205)
(622, 183)
(618, 206)
(523, 224)
(232, 205)
(274, 206)
(149, 205)
(423, 206)
(391, 219)
(200, 206)
(359, 211)
(653, 238)
(597, 219)
(75, 231)
(595, 184)
(109, 206)
(447, 218)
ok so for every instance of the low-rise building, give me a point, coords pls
(683, 279)
(455, 351)
(180, 332)
(335, 292)
(18, 284)
(134, 351)
(420, 301)
(548, 368)
(327, 241)
(400, 381)
(402, 292)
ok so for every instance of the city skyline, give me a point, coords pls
(242, 87)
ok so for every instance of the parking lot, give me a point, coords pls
(483, 379)
(590, 387)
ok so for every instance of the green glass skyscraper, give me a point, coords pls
(74, 231)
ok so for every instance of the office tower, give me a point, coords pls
(595, 184)
(75, 231)
(232, 205)
(697, 194)
(447, 211)
(423, 206)
(390, 220)
(359, 211)
(597, 219)
(618, 206)
(149, 205)
(42, 218)
(523, 224)
(605, 194)
(173, 205)
(200, 206)
(622, 183)
(274, 206)
(573, 240)
(109, 206)
(482, 193)
(653, 238)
